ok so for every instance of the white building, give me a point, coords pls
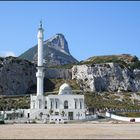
(65, 105)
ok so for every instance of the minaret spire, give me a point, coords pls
(41, 24)
(40, 73)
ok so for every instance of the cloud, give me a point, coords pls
(7, 53)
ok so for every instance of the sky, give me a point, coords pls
(91, 28)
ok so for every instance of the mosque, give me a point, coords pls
(64, 106)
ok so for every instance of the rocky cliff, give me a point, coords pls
(58, 73)
(18, 76)
(56, 52)
(106, 77)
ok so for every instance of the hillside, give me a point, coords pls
(115, 101)
(56, 52)
(126, 58)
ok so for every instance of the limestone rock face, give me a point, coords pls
(16, 76)
(58, 73)
(106, 77)
(55, 52)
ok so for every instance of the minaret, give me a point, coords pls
(40, 73)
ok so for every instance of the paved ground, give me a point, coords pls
(92, 130)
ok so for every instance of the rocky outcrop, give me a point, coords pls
(106, 77)
(16, 76)
(56, 52)
(59, 73)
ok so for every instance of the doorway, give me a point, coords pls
(28, 115)
(70, 115)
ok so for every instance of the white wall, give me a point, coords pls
(77, 113)
(116, 117)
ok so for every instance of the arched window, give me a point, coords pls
(45, 104)
(33, 104)
(40, 103)
(65, 104)
(75, 104)
(80, 104)
(56, 104)
(51, 104)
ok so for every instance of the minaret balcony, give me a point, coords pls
(39, 74)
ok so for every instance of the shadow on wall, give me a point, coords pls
(48, 86)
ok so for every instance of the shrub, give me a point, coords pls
(2, 122)
(135, 65)
(33, 121)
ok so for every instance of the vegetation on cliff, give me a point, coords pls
(112, 100)
(124, 60)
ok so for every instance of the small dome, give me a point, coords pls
(65, 89)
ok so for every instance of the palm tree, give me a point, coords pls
(41, 114)
(63, 113)
(50, 111)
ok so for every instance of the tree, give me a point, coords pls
(50, 111)
(41, 114)
(63, 113)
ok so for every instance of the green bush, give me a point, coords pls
(135, 65)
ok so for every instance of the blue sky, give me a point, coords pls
(91, 28)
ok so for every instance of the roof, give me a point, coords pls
(65, 89)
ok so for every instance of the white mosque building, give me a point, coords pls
(64, 106)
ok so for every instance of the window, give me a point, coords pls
(45, 104)
(56, 113)
(65, 104)
(80, 104)
(56, 105)
(75, 104)
(40, 103)
(51, 104)
(33, 104)
(28, 115)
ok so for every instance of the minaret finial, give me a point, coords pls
(40, 23)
